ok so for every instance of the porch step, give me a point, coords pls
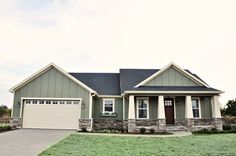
(175, 128)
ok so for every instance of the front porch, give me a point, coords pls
(173, 112)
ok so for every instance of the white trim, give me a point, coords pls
(174, 92)
(199, 104)
(45, 69)
(12, 99)
(137, 111)
(90, 106)
(123, 108)
(177, 68)
(109, 96)
(103, 104)
(45, 98)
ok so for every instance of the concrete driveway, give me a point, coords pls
(29, 142)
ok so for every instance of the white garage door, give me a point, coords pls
(51, 113)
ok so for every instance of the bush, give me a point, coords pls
(5, 128)
(227, 127)
(84, 129)
(214, 131)
(142, 130)
(152, 130)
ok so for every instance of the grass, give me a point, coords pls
(195, 145)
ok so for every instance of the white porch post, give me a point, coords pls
(131, 115)
(216, 107)
(131, 108)
(161, 108)
(188, 107)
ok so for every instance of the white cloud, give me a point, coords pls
(106, 35)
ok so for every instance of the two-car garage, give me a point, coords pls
(50, 113)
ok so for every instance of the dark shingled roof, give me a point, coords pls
(103, 83)
(117, 83)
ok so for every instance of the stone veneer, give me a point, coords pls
(198, 124)
(16, 122)
(85, 123)
(107, 123)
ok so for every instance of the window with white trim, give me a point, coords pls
(196, 107)
(108, 105)
(142, 108)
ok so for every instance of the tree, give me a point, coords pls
(230, 108)
(4, 110)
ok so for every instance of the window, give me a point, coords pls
(41, 102)
(35, 101)
(55, 102)
(142, 108)
(196, 107)
(62, 102)
(27, 101)
(108, 105)
(48, 102)
(168, 102)
(68, 102)
(76, 102)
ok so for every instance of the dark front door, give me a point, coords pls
(169, 110)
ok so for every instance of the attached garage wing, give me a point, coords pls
(51, 113)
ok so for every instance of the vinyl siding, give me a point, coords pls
(171, 77)
(206, 110)
(55, 85)
(180, 107)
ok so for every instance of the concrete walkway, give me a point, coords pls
(29, 142)
(175, 134)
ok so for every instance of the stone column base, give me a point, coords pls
(189, 124)
(161, 124)
(85, 123)
(16, 122)
(218, 123)
(131, 125)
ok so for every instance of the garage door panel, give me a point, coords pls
(51, 116)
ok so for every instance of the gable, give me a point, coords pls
(171, 77)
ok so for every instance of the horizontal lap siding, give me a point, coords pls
(55, 85)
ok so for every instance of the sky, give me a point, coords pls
(105, 35)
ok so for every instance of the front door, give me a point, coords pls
(169, 110)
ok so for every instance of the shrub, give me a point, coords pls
(121, 129)
(227, 127)
(142, 130)
(152, 130)
(84, 129)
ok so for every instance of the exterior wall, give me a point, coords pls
(206, 110)
(153, 101)
(98, 108)
(180, 107)
(55, 85)
(171, 77)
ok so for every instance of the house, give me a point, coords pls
(167, 98)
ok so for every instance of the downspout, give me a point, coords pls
(91, 109)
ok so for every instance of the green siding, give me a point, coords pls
(171, 77)
(55, 85)
(180, 107)
(206, 110)
(98, 108)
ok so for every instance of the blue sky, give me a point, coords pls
(105, 35)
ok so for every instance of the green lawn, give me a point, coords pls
(197, 145)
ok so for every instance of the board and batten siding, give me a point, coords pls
(205, 105)
(52, 84)
(171, 77)
(98, 108)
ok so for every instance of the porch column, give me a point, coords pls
(216, 115)
(131, 107)
(216, 107)
(188, 112)
(161, 108)
(188, 107)
(161, 113)
(131, 115)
